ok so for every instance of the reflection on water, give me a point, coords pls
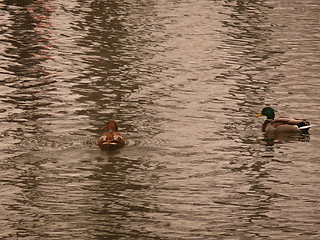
(273, 138)
(184, 80)
(28, 40)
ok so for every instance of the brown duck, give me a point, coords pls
(282, 124)
(112, 138)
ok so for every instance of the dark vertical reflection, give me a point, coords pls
(29, 38)
(103, 83)
(116, 42)
(251, 62)
(26, 38)
(251, 57)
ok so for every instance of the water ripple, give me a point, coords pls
(184, 80)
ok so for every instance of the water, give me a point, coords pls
(184, 80)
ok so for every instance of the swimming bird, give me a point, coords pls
(282, 124)
(112, 138)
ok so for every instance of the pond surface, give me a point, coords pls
(184, 80)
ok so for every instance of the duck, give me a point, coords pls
(282, 124)
(112, 138)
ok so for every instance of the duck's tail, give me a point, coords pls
(304, 126)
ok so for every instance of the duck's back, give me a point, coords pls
(111, 139)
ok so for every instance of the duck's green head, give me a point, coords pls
(268, 112)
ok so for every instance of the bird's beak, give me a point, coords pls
(259, 115)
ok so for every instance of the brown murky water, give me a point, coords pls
(184, 80)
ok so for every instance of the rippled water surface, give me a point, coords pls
(184, 79)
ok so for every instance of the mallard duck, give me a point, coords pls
(282, 124)
(112, 138)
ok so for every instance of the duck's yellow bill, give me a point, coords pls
(259, 115)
